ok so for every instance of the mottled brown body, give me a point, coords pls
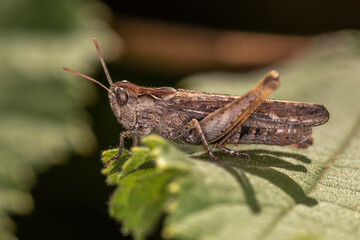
(193, 117)
(166, 110)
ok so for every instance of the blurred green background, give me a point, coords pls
(54, 125)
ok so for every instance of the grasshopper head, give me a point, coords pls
(123, 100)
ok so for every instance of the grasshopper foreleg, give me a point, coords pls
(126, 134)
(135, 141)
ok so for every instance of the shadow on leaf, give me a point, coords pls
(266, 158)
(262, 164)
(298, 157)
(249, 193)
(285, 183)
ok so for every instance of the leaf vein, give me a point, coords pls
(342, 206)
(338, 188)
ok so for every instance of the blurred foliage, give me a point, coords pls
(282, 193)
(42, 110)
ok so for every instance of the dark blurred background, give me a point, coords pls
(165, 41)
(283, 17)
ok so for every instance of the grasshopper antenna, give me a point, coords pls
(86, 77)
(103, 62)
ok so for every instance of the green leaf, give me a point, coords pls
(140, 197)
(282, 193)
(43, 117)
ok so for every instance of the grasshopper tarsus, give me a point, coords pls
(232, 152)
(113, 158)
(215, 159)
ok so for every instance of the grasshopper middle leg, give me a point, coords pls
(194, 124)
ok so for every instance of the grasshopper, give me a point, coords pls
(194, 117)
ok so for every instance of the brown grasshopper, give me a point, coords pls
(193, 117)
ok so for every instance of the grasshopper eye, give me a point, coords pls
(121, 96)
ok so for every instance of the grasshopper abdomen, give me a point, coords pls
(280, 136)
